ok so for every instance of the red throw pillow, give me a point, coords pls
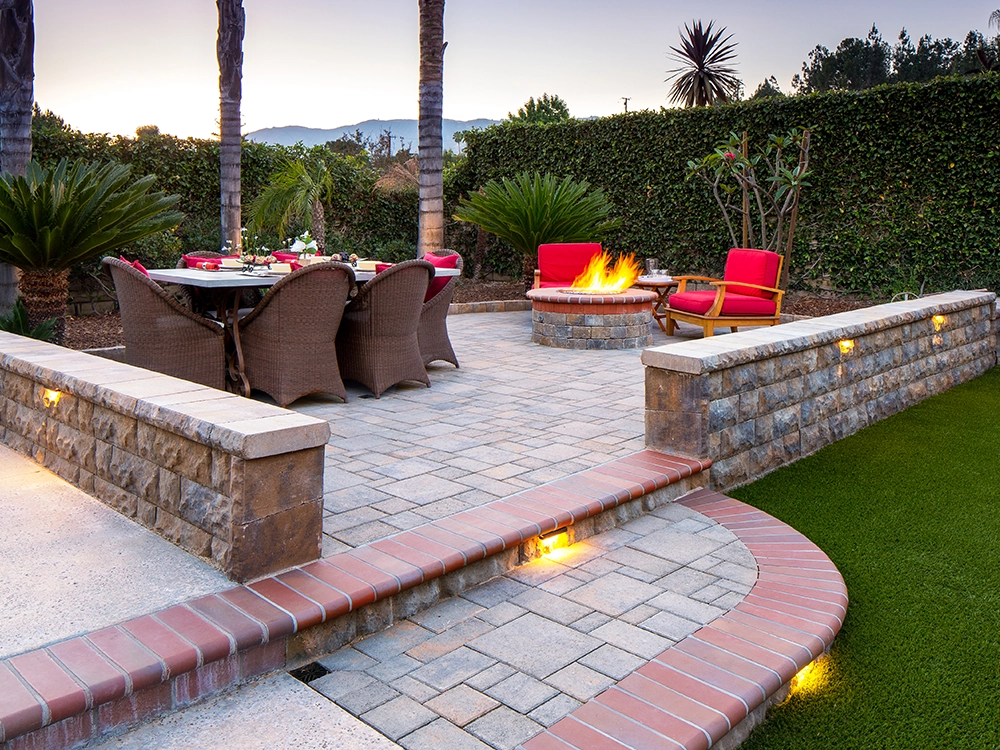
(438, 282)
(286, 257)
(192, 261)
(380, 267)
(135, 264)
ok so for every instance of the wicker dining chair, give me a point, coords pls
(289, 339)
(433, 330)
(192, 296)
(377, 344)
(162, 335)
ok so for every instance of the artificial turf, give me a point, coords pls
(909, 511)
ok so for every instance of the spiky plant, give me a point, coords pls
(704, 78)
(51, 219)
(16, 321)
(533, 209)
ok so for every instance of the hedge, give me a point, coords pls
(904, 192)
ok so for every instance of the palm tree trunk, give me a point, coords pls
(17, 74)
(45, 293)
(318, 226)
(232, 24)
(431, 232)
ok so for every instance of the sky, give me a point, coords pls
(110, 66)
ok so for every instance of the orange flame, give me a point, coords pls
(607, 276)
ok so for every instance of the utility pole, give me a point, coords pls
(625, 99)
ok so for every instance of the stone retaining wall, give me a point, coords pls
(756, 400)
(231, 480)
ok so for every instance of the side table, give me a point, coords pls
(661, 285)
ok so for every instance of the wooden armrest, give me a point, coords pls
(744, 283)
(538, 280)
(693, 278)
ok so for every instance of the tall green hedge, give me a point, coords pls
(905, 185)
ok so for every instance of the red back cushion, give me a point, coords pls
(192, 261)
(135, 264)
(565, 261)
(380, 267)
(438, 282)
(754, 267)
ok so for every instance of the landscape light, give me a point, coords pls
(50, 398)
(938, 321)
(846, 346)
(553, 540)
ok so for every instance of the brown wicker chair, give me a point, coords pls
(192, 296)
(289, 339)
(377, 344)
(162, 335)
(433, 330)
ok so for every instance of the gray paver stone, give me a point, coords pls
(671, 626)
(521, 692)
(447, 614)
(632, 639)
(490, 677)
(551, 606)
(449, 640)
(560, 584)
(399, 717)
(414, 688)
(612, 661)
(502, 613)
(494, 592)
(336, 684)
(634, 558)
(347, 659)
(613, 594)
(535, 645)
(395, 667)
(441, 735)
(452, 668)
(591, 621)
(537, 571)
(553, 710)
(462, 704)
(674, 545)
(401, 637)
(580, 682)
(504, 729)
(686, 581)
(367, 698)
(682, 606)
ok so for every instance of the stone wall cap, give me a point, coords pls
(703, 355)
(245, 428)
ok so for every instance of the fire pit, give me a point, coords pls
(569, 319)
(599, 310)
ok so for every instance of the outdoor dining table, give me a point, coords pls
(227, 286)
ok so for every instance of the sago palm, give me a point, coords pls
(703, 78)
(51, 219)
(533, 209)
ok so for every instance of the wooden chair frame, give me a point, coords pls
(712, 319)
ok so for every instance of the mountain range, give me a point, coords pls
(403, 130)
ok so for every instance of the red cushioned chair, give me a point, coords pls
(747, 295)
(560, 263)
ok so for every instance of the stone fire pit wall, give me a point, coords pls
(761, 398)
(234, 481)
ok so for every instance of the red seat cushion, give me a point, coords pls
(733, 304)
(754, 267)
(564, 261)
(438, 282)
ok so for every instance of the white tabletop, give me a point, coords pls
(233, 279)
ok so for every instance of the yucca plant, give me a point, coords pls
(534, 209)
(51, 219)
(704, 79)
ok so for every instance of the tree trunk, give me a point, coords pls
(528, 264)
(318, 226)
(45, 293)
(482, 243)
(432, 44)
(232, 24)
(17, 74)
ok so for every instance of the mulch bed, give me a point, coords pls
(100, 331)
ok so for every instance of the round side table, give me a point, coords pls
(661, 285)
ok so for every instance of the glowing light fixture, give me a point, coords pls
(50, 398)
(846, 346)
(812, 678)
(938, 321)
(554, 540)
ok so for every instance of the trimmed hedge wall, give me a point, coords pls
(904, 192)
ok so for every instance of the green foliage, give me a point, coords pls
(856, 64)
(546, 109)
(16, 321)
(704, 78)
(531, 210)
(905, 178)
(55, 218)
(768, 89)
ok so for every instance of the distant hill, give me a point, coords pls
(407, 129)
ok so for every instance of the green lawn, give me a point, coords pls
(909, 510)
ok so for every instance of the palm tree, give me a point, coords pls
(232, 24)
(703, 79)
(431, 203)
(17, 75)
(52, 219)
(995, 18)
(297, 189)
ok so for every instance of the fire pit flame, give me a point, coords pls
(606, 276)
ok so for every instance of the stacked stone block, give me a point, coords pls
(756, 400)
(581, 331)
(236, 482)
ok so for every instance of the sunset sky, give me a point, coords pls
(114, 65)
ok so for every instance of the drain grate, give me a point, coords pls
(309, 672)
